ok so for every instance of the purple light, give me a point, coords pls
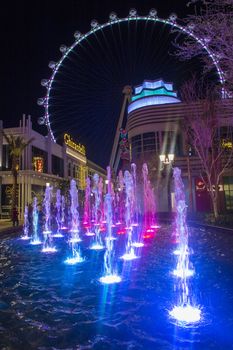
(58, 235)
(47, 232)
(138, 244)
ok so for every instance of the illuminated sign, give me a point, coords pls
(226, 144)
(76, 146)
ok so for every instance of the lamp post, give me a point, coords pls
(167, 159)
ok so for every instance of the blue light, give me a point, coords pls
(152, 101)
(110, 279)
(186, 314)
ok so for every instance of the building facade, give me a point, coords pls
(155, 117)
(42, 162)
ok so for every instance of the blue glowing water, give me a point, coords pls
(47, 304)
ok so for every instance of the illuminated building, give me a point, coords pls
(154, 129)
(43, 161)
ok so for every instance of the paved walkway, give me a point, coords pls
(6, 227)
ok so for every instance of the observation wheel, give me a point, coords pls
(97, 39)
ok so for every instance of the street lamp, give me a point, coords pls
(167, 158)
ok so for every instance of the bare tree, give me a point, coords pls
(209, 128)
(212, 23)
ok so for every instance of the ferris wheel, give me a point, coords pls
(172, 22)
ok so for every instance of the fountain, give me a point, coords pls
(129, 210)
(35, 237)
(149, 205)
(110, 276)
(25, 224)
(184, 311)
(58, 214)
(63, 206)
(98, 244)
(75, 238)
(87, 209)
(48, 246)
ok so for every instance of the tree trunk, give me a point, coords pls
(214, 197)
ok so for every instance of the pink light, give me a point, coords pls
(148, 235)
(121, 232)
(155, 226)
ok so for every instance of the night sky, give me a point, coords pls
(87, 93)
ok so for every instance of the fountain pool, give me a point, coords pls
(47, 304)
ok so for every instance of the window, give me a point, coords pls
(57, 166)
(136, 146)
(69, 169)
(149, 142)
(6, 160)
(228, 188)
(38, 153)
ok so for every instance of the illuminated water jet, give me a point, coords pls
(35, 242)
(186, 314)
(184, 311)
(74, 260)
(90, 234)
(96, 246)
(110, 275)
(183, 273)
(49, 250)
(129, 256)
(58, 235)
(35, 237)
(137, 244)
(25, 225)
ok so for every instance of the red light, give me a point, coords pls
(121, 232)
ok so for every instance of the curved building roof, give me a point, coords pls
(151, 93)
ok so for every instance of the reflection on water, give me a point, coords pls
(47, 304)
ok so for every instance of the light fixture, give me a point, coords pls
(167, 158)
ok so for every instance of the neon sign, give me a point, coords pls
(76, 146)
